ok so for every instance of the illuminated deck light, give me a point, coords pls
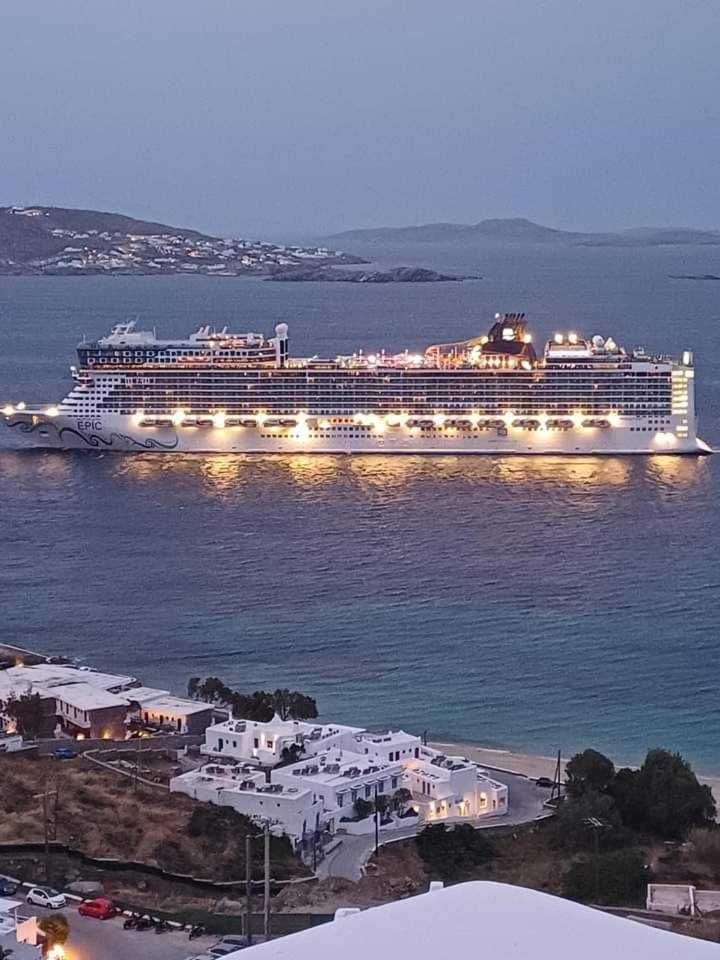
(178, 417)
(219, 420)
(52, 412)
(8, 410)
(21, 405)
(438, 419)
(572, 338)
(558, 338)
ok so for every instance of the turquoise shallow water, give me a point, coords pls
(536, 604)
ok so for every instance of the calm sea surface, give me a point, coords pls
(527, 603)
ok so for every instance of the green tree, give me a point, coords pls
(619, 877)
(56, 928)
(28, 713)
(193, 687)
(571, 827)
(663, 797)
(451, 854)
(363, 808)
(588, 771)
(400, 799)
(290, 754)
(291, 705)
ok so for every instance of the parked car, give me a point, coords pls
(101, 908)
(46, 897)
(65, 753)
(7, 886)
(222, 949)
(545, 782)
(235, 941)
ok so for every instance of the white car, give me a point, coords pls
(46, 897)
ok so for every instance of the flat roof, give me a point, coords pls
(174, 705)
(51, 673)
(481, 919)
(346, 760)
(143, 694)
(84, 696)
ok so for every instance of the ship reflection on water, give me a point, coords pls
(225, 473)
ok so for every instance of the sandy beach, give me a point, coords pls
(531, 765)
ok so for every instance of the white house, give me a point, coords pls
(338, 765)
(265, 742)
(289, 810)
(449, 787)
(340, 777)
(159, 708)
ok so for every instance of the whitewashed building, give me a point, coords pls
(265, 742)
(338, 765)
(290, 810)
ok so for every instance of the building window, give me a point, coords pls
(256, 741)
(394, 783)
(340, 799)
(367, 791)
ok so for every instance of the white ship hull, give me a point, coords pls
(119, 433)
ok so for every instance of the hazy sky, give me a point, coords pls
(259, 118)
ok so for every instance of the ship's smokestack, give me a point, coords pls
(281, 344)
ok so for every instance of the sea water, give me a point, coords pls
(537, 604)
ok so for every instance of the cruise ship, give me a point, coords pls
(223, 392)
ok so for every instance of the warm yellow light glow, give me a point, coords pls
(52, 412)
(378, 424)
(324, 424)
(572, 337)
(439, 419)
(543, 418)
(260, 418)
(139, 414)
(474, 418)
(80, 736)
(219, 420)
(614, 419)
(527, 338)
(21, 405)
(508, 417)
(558, 338)
(178, 417)
(577, 418)
(56, 953)
(8, 410)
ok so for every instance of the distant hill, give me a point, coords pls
(520, 230)
(58, 241)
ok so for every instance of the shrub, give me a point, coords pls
(451, 853)
(706, 846)
(663, 797)
(588, 771)
(619, 878)
(363, 808)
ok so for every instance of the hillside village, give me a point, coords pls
(50, 241)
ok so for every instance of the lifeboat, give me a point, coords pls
(560, 424)
(603, 424)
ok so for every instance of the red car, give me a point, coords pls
(101, 908)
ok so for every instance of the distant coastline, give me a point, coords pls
(57, 241)
(395, 275)
(520, 230)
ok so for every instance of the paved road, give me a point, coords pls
(92, 939)
(525, 803)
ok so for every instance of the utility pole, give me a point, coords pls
(377, 826)
(266, 904)
(556, 791)
(45, 796)
(248, 890)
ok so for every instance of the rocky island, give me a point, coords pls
(56, 241)
(395, 275)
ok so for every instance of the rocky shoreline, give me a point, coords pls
(395, 275)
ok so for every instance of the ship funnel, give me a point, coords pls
(281, 344)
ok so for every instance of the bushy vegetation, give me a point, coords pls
(663, 798)
(616, 877)
(28, 712)
(451, 853)
(260, 705)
